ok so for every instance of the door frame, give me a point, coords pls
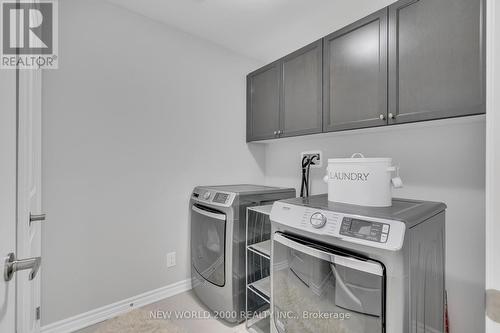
(28, 197)
(8, 193)
(492, 155)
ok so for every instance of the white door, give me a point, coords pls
(29, 204)
(20, 201)
(493, 167)
(7, 195)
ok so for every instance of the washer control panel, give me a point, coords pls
(318, 220)
(216, 198)
(364, 230)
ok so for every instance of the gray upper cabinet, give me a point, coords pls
(301, 92)
(355, 75)
(412, 61)
(436, 60)
(263, 91)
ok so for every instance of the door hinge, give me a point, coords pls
(38, 313)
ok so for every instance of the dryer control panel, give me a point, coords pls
(365, 230)
(217, 198)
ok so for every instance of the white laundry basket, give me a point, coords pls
(361, 181)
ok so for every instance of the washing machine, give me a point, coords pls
(354, 269)
(218, 220)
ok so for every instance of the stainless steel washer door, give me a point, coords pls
(208, 243)
(317, 289)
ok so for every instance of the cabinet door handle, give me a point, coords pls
(275, 133)
(391, 115)
(279, 132)
(382, 117)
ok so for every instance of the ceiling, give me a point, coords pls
(260, 29)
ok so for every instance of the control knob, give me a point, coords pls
(206, 196)
(318, 220)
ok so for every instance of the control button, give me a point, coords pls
(385, 228)
(383, 239)
(206, 196)
(318, 220)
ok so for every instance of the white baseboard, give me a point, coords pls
(98, 315)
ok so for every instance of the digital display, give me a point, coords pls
(367, 230)
(220, 197)
(361, 227)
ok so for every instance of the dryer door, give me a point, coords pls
(208, 234)
(317, 289)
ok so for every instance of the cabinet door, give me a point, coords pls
(263, 91)
(355, 75)
(436, 60)
(301, 97)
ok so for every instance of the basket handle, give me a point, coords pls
(357, 155)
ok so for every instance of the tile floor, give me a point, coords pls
(186, 302)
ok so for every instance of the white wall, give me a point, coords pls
(135, 116)
(440, 161)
